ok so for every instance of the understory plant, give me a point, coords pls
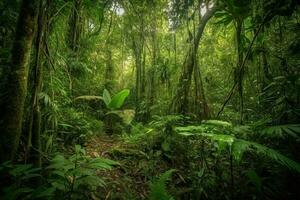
(223, 145)
(74, 177)
(158, 188)
(114, 115)
(230, 137)
(113, 104)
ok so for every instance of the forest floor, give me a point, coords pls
(124, 179)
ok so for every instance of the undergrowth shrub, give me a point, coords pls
(158, 138)
(227, 146)
(73, 177)
(77, 127)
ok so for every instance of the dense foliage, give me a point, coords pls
(149, 99)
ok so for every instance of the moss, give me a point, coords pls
(16, 84)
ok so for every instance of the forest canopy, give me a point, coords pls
(149, 99)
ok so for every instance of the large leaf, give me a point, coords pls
(106, 97)
(118, 100)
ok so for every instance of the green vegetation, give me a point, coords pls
(149, 99)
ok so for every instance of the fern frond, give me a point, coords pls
(217, 123)
(273, 154)
(239, 146)
(190, 129)
(158, 190)
(282, 131)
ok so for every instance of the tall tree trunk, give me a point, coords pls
(139, 48)
(13, 107)
(151, 72)
(201, 106)
(138, 64)
(75, 25)
(34, 141)
(239, 72)
(109, 70)
(202, 109)
(138, 81)
(73, 36)
(180, 100)
(265, 76)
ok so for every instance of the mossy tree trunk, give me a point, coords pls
(180, 100)
(13, 105)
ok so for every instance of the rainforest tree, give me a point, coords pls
(149, 99)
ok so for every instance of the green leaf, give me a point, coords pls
(59, 173)
(190, 129)
(58, 185)
(158, 189)
(275, 155)
(106, 97)
(254, 179)
(118, 100)
(79, 149)
(218, 123)
(238, 149)
(239, 146)
(12, 193)
(91, 181)
(29, 176)
(281, 131)
(43, 192)
(166, 146)
(20, 169)
(186, 133)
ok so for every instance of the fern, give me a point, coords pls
(238, 146)
(217, 123)
(275, 155)
(158, 189)
(281, 131)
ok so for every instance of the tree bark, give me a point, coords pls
(202, 109)
(180, 100)
(139, 54)
(239, 72)
(75, 25)
(109, 70)
(34, 141)
(13, 105)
